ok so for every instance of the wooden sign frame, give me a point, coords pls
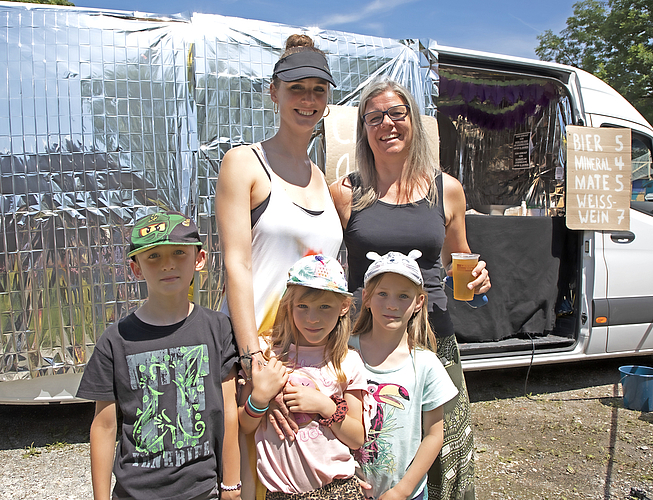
(598, 178)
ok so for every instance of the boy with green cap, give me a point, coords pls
(167, 367)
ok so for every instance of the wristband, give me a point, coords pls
(254, 408)
(251, 413)
(338, 415)
(235, 487)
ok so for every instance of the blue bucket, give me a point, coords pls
(637, 384)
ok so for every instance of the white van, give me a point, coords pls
(558, 295)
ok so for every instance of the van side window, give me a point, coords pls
(642, 168)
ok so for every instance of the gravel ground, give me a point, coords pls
(566, 435)
(44, 452)
(570, 437)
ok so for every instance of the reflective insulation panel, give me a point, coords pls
(107, 116)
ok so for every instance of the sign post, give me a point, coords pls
(598, 178)
(340, 141)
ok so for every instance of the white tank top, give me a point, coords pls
(283, 234)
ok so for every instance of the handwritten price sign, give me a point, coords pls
(598, 178)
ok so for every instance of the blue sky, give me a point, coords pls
(506, 27)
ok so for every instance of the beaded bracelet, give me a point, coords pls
(338, 415)
(235, 487)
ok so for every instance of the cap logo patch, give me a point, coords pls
(158, 227)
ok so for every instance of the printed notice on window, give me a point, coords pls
(521, 150)
(598, 178)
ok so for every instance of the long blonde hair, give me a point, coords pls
(422, 166)
(285, 332)
(419, 329)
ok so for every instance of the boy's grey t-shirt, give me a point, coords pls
(168, 384)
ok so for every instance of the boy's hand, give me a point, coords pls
(302, 399)
(267, 380)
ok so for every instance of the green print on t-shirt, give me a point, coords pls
(156, 372)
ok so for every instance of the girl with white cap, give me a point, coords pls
(406, 378)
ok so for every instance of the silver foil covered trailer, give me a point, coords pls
(106, 116)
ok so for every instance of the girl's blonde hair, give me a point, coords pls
(421, 167)
(419, 329)
(284, 332)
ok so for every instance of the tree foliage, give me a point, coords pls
(49, 2)
(613, 40)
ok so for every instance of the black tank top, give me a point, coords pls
(383, 227)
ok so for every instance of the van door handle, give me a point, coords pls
(622, 236)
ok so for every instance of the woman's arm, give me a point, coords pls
(426, 454)
(455, 239)
(241, 186)
(230, 449)
(342, 195)
(103, 447)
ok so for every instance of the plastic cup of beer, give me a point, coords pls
(462, 265)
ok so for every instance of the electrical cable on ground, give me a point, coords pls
(529, 366)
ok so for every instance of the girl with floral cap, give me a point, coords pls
(323, 386)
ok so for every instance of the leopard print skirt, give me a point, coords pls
(338, 489)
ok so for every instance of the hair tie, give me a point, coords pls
(254, 408)
(338, 415)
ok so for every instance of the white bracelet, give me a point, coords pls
(235, 487)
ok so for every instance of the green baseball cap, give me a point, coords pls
(163, 228)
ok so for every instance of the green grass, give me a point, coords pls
(31, 451)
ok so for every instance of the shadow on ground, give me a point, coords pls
(514, 382)
(40, 425)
